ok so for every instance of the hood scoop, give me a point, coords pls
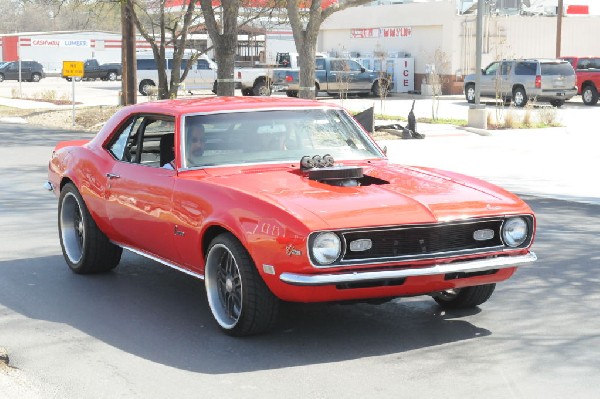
(322, 169)
(344, 176)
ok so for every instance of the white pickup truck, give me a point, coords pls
(202, 75)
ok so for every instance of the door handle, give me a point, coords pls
(112, 176)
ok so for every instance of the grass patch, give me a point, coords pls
(438, 121)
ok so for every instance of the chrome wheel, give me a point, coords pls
(224, 286)
(112, 76)
(72, 228)
(85, 248)
(470, 93)
(35, 77)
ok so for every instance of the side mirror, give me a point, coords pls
(483, 71)
(385, 150)
(362, 69)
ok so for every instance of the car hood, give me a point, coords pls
(402, 195)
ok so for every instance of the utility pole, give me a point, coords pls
(128, 59)
(559, 16)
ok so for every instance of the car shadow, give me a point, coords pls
(162, 315)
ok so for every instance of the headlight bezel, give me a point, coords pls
(323, 235)
(509, 241)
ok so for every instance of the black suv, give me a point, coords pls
(31, 71)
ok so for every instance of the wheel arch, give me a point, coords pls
(588, 83)
(517, 86)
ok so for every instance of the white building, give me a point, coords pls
(436, 36)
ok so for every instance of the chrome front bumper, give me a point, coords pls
(455, 267)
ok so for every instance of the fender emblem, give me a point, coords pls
(290, 250)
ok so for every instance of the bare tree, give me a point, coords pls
(161, 29)
(305, 27)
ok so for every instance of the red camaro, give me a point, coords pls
(280, 199)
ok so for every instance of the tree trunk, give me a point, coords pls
(306, 62)
(225, 56)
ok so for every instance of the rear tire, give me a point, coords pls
(145, 86)
(36, 77)
(468, 297)
(380, 88)
(85, 248)
(261, 88)
(240, 301)
(519, 97)
(589, 95)
(112, 76)
(470, 93)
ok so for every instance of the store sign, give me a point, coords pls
(59, 43)
(367, 33)
(75, 43)
(45, 43)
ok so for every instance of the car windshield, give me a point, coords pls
(273, 136)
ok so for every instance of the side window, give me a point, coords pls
(125, 140)
(320, 64)
(146, 64)
(505, 69)
(354, 66)
(595, 63)
(203, 64)
(183, 63)
(492, 69)
(525, 68)
(583, 63)
(139, 140)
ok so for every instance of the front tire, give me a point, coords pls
(589, 95)
(85, 248)
(468, 297)
(240, 301)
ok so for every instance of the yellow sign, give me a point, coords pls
(72, 69)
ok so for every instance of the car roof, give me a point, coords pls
(224, 104)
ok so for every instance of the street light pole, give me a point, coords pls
(559, 15)
(478, 49)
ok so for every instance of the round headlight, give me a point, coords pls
(514, 232)
(326, 248)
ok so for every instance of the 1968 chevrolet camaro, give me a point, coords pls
(271, 199)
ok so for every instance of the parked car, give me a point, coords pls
(587, 70)
(280, 199)
(202, 73)
(335, 76)
(521, 80)
(31, 71)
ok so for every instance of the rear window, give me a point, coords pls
(562, 68)
(525, 68)
(588, 63)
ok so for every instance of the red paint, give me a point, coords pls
(10, 51)
(270, 208)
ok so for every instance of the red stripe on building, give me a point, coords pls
(578, 10)
(9, 49)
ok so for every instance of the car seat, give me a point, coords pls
(167, 141)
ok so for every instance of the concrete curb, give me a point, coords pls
(481, 132)
(3, 356)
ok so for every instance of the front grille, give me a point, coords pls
(423, 241)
